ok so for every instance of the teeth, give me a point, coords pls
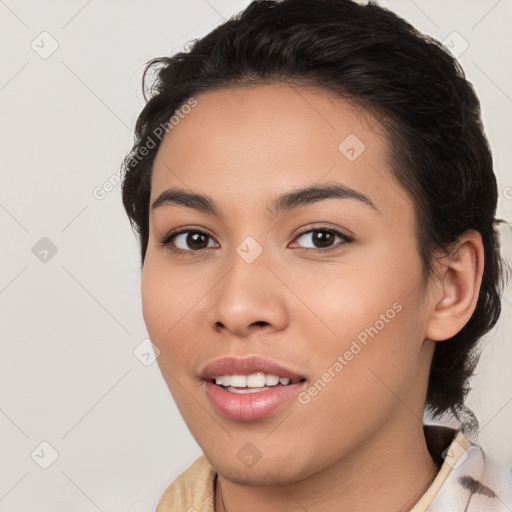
(271, 380)
(242, 391)
(238, 381)
(254, 380)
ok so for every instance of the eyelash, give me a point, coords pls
(166, 241)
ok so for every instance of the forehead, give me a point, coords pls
(249, 142)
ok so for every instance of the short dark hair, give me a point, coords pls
(417, 90)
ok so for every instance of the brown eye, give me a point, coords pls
(187, 241)
(322, 238)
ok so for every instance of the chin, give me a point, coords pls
(265, 472)
(262, 476)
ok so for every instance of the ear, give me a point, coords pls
(456, 291)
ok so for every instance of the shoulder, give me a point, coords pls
(474, 482)
(192, 491)
(491, 490)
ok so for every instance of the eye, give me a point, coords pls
(322, 238)
(187, 241)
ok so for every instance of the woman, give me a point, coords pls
(315, 200)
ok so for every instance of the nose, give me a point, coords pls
(249, 298)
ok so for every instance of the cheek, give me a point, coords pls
(160, 306)
(345, 297)
(171, 308)
(155, 303)
(163, 294)
(368, 310)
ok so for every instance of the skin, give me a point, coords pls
(358, 444)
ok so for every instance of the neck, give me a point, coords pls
(390, 473)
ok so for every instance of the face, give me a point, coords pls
(326, 285)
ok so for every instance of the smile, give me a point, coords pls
(247, 389)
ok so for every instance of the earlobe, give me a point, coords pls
(458, 288)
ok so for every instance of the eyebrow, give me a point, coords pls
(283, 203)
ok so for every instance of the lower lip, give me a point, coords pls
(250, 406)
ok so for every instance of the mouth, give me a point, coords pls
(247, 389)
(252, 383)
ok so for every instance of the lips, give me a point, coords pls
(257, 404)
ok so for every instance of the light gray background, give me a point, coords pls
(71, 323)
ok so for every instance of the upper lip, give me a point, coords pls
(246, 366)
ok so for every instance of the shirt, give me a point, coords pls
(464, 483)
